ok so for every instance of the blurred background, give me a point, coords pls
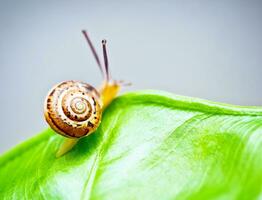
(205, 49)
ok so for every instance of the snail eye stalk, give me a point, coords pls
(105, 59)
(93, 51)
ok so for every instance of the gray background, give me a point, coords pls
(205, 49)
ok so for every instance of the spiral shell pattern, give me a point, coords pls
(73, 109)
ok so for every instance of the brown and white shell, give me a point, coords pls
(73, 109)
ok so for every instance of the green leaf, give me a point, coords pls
(150, 145)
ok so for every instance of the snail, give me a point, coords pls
(73, 109)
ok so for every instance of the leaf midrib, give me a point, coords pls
(89, 183)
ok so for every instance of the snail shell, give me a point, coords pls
(73, 109)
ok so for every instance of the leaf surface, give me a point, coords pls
(150, 145)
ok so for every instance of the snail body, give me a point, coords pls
(73, 109)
